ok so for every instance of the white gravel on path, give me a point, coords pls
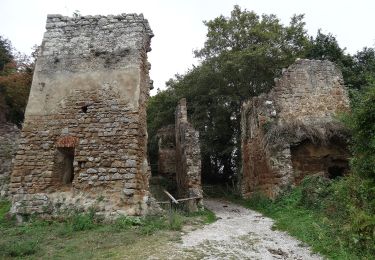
(240, 233)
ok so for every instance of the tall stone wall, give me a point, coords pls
(188, 158)
(9, 135)
(292, 132)
(84, 138)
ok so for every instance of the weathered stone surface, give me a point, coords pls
(84, 135)
(167, 152)
(188, 158)
(292, 132)
(9, 136)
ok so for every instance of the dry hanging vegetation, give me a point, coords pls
(296, 131)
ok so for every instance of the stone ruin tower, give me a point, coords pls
(292, 132)
(188, 158)
(83, 142)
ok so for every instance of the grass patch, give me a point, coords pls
(319, 214)
(206, 215)
(86, 236)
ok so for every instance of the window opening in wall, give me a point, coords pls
(66, 169)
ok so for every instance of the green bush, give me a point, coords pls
(362, 124)
(176, 221)
(126, 222)
(314, 191)
(81, 222)
(151, 224)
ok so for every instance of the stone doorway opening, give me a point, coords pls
(330, 160)
(65, 168)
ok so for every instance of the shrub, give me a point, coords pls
(314, 191)
(126, 222)
(153, 223)
(81, 222)
(362, 124)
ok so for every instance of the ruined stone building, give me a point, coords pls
(179, 158)
(9, 134)
(291, 132)
(83, 143)
(188, 158)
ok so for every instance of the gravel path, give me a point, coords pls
(240, 233)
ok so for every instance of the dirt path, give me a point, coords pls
(239, 233)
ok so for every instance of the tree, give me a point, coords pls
(5, 53)
(363, 69)
(358, 70)
(15, 82)
(241, 56)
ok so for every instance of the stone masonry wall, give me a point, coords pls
(9, 135)
(167, 152)
(308, 95)
(84, 138)
(188, 158)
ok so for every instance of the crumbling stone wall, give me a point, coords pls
(292, 132)
(9, 134)
(188, 158)
(83, 143)
(167, 152)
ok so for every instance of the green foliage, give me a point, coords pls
(241, 56)
(176, 221)
(362, 124)
(126, 222)
(5, 53)
(151, 224)
(83, 221)
(207, 215)
(335, 217)
(314, 189)
(16, 71)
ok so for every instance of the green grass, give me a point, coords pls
(84, 236)
(314, 214)
(207, 215)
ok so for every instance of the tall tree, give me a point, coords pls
(241, 56)
(16, 71)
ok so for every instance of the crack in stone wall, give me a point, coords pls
(307, 97)
(87, 102)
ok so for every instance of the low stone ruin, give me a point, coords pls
(292, 131)
(188, 159)
(84, 141)
(179, 159)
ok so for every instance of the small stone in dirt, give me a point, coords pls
(277, 251)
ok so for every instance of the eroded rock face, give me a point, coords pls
(188, 158)
(84, 138)
(291, 132)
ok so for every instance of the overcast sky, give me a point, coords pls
(178, 26)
